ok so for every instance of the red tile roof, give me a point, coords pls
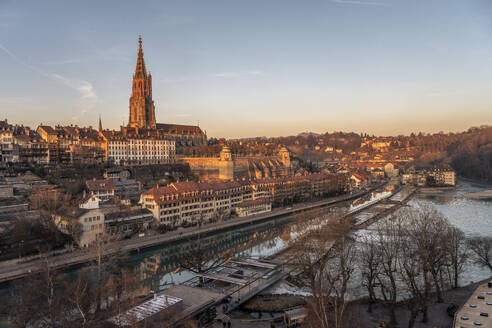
(178, 129)
(249, 203)
(100, 185)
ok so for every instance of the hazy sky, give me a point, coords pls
(252, 67)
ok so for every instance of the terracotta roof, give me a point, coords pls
(178, 128)
(254, 202)
(186, 186)
(161, 191)
(105, 185)
(48, 129)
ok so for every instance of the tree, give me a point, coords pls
(370, 267)
(80, 297)
(49, 200)
(23, 303)
(481, 247)
(457, 254)
(37, 302)
(105, 266)
(36, 234)
(388, 242)
(326, 257)
(199, 259)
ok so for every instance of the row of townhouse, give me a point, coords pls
(20, 144)
(68, 144)
(191, 202)
(436, 176)
(185, 203)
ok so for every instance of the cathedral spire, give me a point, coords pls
(142, 111)
(140, 69)
(100, 124)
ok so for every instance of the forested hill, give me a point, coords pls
(471, 154)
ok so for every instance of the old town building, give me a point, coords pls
(96, 221)
(102, 189)
(21, 144)
(72, 144)
(128, 147)
(442, 175)
(252, 207)
(187, 203)
(228, 166)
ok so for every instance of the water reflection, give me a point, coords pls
(157, 267)
(154, 267)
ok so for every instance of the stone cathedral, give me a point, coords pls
(142, 119)
(142, 109)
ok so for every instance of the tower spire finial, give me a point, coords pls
(140, 61)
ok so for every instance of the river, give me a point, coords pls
(473, 217)
(156, 267)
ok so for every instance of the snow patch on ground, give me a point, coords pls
(283, 287)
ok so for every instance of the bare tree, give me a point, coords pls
(49, 200)
(410, 273)
(370, 267)
(79, 295)
(326, 257)
(481, 248)
(457, 254)
(24, 302)
(388, 241)
(199, 259)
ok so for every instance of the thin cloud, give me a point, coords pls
(360, 2)
(62, 62)
(85, 88)
(238, 74)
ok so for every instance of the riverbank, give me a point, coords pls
(438, 316)
(432, 190)
(480, 195)
(10, 271)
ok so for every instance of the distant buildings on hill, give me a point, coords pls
(228, 166)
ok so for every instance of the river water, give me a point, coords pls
(473, 217)
(157, 267)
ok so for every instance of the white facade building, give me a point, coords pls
(152, 150)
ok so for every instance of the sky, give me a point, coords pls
(244, 68)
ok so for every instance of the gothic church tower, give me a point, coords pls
(142, 110)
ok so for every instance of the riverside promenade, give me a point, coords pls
(9, 270)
